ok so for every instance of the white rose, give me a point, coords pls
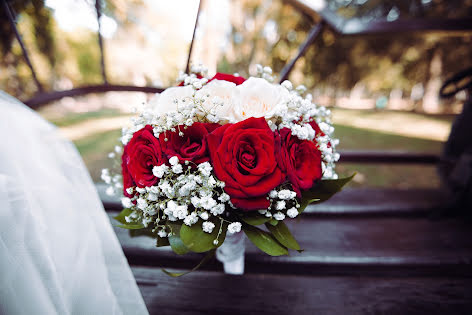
(219, 91)
(165, 102)
(257, 98)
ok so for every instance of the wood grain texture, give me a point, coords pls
(216, 293)
(344, 246)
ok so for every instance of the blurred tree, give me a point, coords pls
(17, 77)
(334, 63)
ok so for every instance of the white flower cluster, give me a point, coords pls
(114, 181)
(184, 193)
(283, 202)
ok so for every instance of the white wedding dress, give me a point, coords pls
(58, 251)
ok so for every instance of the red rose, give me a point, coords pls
(318, 131)
(301, 160)
(228, 77)
(243, 156)
(128, 180)
(191, 146)
(140, 155)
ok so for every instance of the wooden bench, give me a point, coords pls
(366, 251)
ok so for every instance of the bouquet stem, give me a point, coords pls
(231, 253)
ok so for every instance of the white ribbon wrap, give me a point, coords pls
(231, 253)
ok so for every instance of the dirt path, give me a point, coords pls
(94, 126)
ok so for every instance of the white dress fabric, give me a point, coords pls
(58, 252)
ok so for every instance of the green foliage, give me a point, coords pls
(337, 63)
(86, 56)
(265, 241)
(322, 191)
(207, 257)
(42, 26)
(43, 30)
(198, 241)
(254, 218)
(174, 239)
(127, 225)
(283, 235)
(121, 216)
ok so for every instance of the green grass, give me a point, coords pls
(94, 150)
(361, 139)
(387, 175)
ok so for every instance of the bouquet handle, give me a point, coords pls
(231, 253)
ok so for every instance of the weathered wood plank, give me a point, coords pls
(216, 293)
(344, 246)
(358, 202)
(381, 202)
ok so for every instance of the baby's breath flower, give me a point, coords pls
(204, 215)
(285, 194)
(191, 219)
(280, 205)
(177, 169)
(279, 216)
(208, 227)
(217, 209)
(126, 202)
(292, 212)
(110, 191)
(224, 197)
(160, 171)
(174, 160)
(142, 203)
(152, 197)
(234, 227)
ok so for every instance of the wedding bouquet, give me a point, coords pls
(218, 156)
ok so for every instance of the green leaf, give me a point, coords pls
(174, 240)
(121, 216)
(127, 225)
(283, 235)
(264, 241)
(273, 222)
(131, 226)
(254, 218)
(198, 241)
(207, 257)
(322, 191)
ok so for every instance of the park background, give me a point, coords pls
(382, 89)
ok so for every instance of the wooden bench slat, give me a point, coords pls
(381, 202)
(204, 292)
(348, 246)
